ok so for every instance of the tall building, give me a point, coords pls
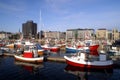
(29, 29)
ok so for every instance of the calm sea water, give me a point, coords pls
(14, 70)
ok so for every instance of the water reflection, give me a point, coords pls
(30, 67)
(89, 74)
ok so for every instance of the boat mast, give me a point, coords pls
(40, 26)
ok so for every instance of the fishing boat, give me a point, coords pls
(51, 48)
(71, 49)
(85, 60)
(74, 49)
(34, 47)
(30, 54)
(87, 46)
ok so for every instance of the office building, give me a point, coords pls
(29, 30)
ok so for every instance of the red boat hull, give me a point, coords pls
(88, 66)
(56, 49)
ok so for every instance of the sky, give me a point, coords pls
(60, 15)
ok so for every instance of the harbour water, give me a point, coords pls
(10, 69)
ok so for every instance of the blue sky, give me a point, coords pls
(60, 15)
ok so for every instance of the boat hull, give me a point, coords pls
(71, 50)
(54, 49)
(90, 65)
(29, 60)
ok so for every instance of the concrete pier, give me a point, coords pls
(8, 54)
(57, 59)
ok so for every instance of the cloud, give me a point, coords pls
(14, 8)
(10, 7)
(64, 7)
(92, 20)
(57, 6)
(57, 2)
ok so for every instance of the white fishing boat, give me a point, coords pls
(85, 60)
(30, 54)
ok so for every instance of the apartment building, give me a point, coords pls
(71, 34)
(102, 34)
(5, 35)
(105, 34)
(81, 34)
(54, 34)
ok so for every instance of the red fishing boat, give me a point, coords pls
(30, 54)
(51, 48)
(85, 60)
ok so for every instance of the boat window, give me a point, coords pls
(26, 47)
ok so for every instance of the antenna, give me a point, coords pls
(40, 26)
